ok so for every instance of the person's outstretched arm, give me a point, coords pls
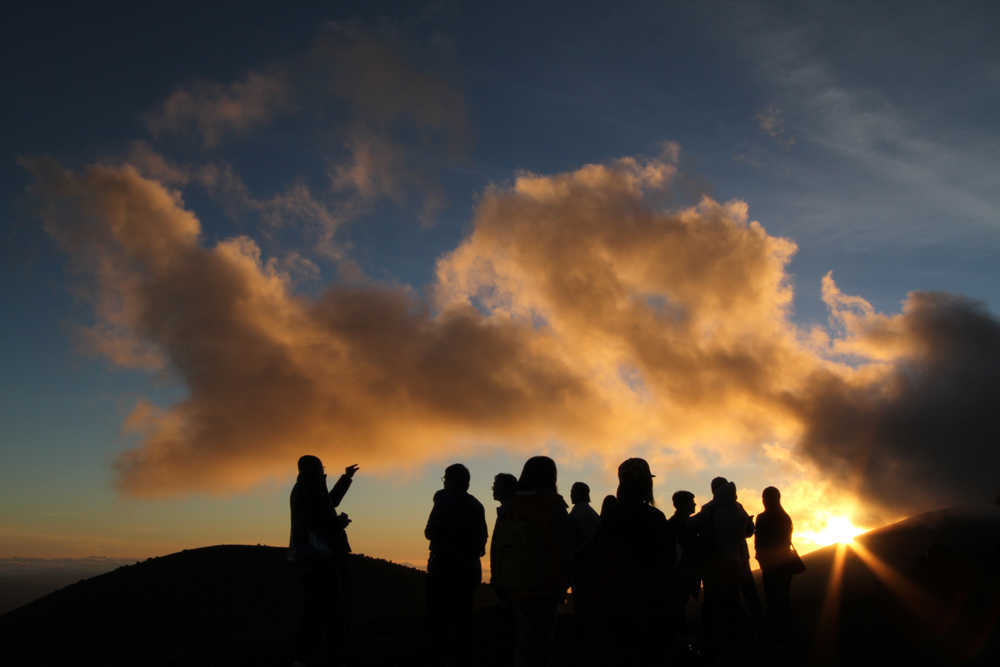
(339, 489)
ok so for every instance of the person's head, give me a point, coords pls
(538, 474)
(579, 493)
(718, 484)
(456, 477)
(771, 498)
(310, 467)
(504, 486)
(731, 491)
(684, 502)
(608, 505)
(635, 481)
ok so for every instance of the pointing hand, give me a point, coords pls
(350, 470)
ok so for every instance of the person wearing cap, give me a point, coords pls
(318, 547)
(637, 555)
(456, 529)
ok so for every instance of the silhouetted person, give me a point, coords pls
(585, 520)
(687, 570)
(318, 547)
(773, 544)
(586, 523)
(723, 527)
(504, 488)
(456, 529)
(637, 554)
(533, 547)
(608, 505)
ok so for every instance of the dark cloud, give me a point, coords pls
(923, 430)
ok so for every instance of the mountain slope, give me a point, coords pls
(934, 600)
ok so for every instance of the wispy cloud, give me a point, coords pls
(212, 111)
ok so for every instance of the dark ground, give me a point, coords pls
(238, 605)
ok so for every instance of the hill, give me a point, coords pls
(935, 599)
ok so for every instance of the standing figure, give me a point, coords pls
(456, 529)
(318, 547)
(723, 527)
(636, 551)
(585, 574)
(504, 488)
(686, 581)
(773, 544)
(533, 547)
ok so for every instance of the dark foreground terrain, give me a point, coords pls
(934, 600)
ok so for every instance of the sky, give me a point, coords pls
(756, 240)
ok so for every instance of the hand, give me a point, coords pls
(350, 470)
(344, 519)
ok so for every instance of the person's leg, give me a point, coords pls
(535, 618)
(310, 623)
(335, 603)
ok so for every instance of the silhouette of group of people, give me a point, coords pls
(631, 570)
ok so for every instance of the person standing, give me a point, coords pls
(773, 544)
(637, 556)
(686, 580)
(318, 547)
(534, 551)
(456, 529)
(723, 527)
(585, 575)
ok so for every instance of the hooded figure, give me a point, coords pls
(318, 547)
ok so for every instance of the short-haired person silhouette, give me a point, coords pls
(534, 551)
(504, 488)
(687, 571)
(585, 576)
(585, 520)
(723, 527)
(318, 547)
(637, 554)
(456, 529)
(773, 544)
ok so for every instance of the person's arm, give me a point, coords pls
(433, 527)
(339, 489)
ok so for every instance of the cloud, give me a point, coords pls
(366, 373)
(919, 427)
(397, 122)
(579, 310)
(771, 122)
(214, 110)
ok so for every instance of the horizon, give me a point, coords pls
(400, 236)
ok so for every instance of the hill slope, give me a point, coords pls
(936, 600)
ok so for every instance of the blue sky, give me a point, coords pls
(865, 135)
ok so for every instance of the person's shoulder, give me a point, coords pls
(656, 514)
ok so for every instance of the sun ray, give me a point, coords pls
(827, 630)
(911, 595)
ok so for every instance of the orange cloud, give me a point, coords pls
(577, 310)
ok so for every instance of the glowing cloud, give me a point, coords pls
(579, 309)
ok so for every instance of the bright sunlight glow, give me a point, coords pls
(838, 530)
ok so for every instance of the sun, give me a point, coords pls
(838, 530)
